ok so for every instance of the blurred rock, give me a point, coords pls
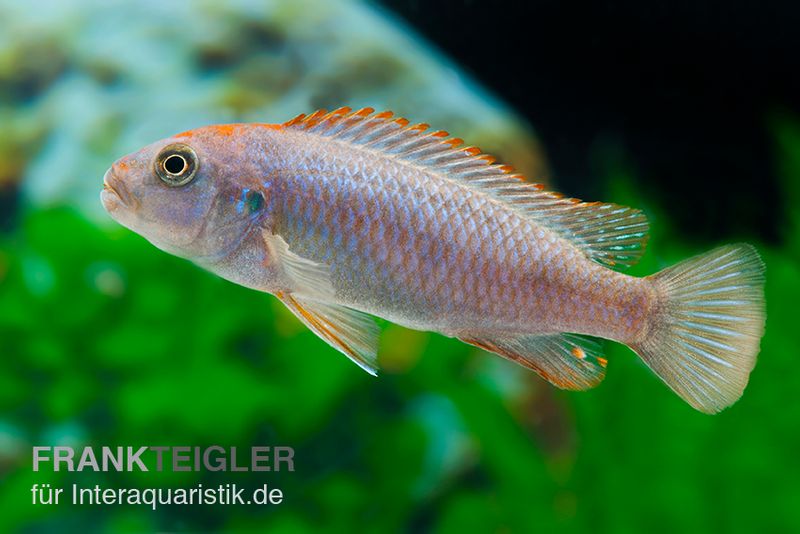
(101, 79)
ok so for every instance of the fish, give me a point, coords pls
(349, 214)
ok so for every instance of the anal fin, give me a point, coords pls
(567, 361)
(351, 332)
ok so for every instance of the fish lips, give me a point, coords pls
(114, 194)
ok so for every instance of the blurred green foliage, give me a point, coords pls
(107, 341)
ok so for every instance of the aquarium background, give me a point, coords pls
(690, 111)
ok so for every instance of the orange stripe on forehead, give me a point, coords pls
(224, 129)
(229, 129)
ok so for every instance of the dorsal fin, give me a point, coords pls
(607, 233)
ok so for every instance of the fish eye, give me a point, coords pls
(176, 165)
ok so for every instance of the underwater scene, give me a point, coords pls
(689, 113)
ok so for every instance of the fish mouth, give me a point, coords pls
(114, 193)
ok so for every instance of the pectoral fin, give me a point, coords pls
(308, 295)
(565, 360)
(349, 331)
(307, 277)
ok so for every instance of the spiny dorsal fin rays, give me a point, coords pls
(607, 233)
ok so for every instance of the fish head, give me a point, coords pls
(192, 195)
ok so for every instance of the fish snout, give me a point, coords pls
(114, 193)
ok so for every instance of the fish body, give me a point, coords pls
(348, 214)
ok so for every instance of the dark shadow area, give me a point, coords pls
(685, 87)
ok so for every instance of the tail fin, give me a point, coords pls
(704, 335)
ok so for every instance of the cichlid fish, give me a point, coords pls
(351, 213)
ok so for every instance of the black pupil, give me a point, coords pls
(174, 164)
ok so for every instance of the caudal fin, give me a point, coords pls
(704, 334)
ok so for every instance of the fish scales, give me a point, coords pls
(351, 213)
(396, 240)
